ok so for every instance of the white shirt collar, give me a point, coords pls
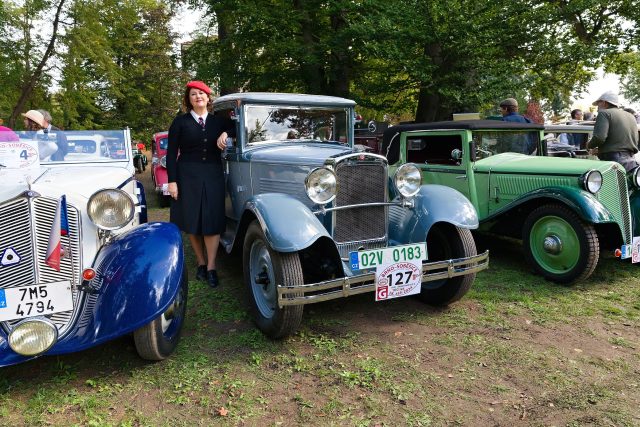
(196, 117)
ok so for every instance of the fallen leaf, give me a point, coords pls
(397, 334)
(577, 350)
(222, 412)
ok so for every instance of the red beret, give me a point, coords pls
(197, 84)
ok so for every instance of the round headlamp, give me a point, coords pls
(321, 185)
(110, 209)
(636, 177)
(407, 180)
(33, 337)
(163, 161)
(592, 181)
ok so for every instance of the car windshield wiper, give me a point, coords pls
(2, 166)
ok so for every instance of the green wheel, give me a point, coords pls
(559, 245)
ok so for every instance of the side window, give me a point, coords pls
(434, 149)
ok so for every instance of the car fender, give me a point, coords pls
(634, 201)
(287, 223)
(138, 276)
(581, 202)
(433, 203)
(160, 177)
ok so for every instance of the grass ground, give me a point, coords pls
(516, 351)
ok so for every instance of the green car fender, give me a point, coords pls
(583, 203)
(634, 202)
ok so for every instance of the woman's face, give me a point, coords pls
(198, 98)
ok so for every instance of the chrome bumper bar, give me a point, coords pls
(347, 286)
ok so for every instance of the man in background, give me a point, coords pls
(61, 139)
(509, 111)
(615, 133)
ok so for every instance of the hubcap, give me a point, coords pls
(262, 277)
(168, 316)
(552, 245)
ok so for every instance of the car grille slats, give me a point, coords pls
(25, 225)
(615, 196)
(360, 182)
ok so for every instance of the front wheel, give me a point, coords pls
(446, 241)
(559, 245)
(158, 339)
(264, 269)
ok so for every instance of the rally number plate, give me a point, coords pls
(35, 300)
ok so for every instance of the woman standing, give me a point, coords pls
(196, 179)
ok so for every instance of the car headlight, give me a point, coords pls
(32, 337)
(592, 181)
(636, 177)
(110, 209)
(163, 161)
(321, 185)
(407, 180)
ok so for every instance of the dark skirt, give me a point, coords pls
(200, 205)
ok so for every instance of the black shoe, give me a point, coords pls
(212, 278)
(201, 274)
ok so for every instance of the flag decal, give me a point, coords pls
(60, 227)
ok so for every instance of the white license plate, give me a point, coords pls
(373, 258)
(35, 300)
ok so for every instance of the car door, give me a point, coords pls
(441, 157)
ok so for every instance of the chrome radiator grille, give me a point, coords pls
(25, 225)
(360, 182)
(615, 196)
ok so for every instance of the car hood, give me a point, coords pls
(79, 180)
(296, 153)
(520, 163)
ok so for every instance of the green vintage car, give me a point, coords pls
(564, 209)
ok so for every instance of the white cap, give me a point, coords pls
(609, 96)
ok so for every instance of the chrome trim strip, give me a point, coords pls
(361, 205)
(347, 286)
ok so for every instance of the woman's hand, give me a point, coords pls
(222, 141)
(173, 190)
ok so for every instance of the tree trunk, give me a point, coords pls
(31, 81)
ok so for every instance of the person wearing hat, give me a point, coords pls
(60, 138)
(509, 111)
(615, 133)
(33, 120)
(196, 179)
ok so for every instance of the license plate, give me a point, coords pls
(374, 258)
(35, 300)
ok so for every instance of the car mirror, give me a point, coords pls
(472, 150)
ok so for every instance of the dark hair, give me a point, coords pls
(31, 125)
(186, 104)
(575, 112)
(630, 110)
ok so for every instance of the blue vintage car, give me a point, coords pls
(79, 264)
(302, 201)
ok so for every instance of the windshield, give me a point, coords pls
(267, 123)
(69, 147)
(489, 143)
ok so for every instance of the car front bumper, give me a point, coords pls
(362, 283)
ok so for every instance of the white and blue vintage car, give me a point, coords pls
(303, 205)
(79, 264)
